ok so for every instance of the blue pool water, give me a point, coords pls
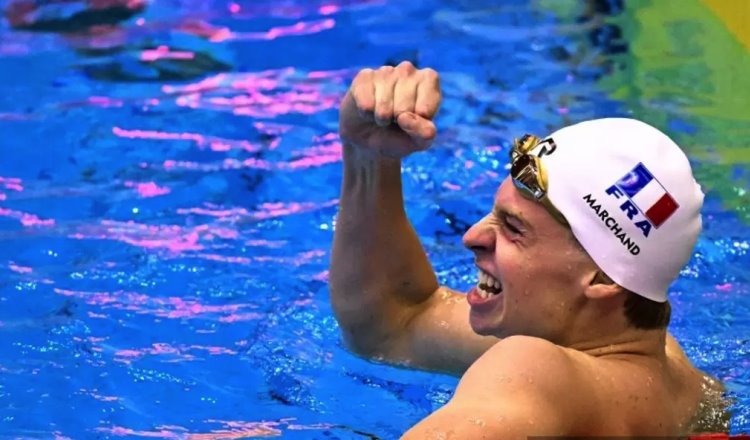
(168, 187)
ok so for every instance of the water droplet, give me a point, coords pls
(478, 422)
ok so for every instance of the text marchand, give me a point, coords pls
(612, 225)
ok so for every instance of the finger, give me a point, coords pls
(404, 96)
(421, 131)
(363, 92)
(405, 91)
(428, 94)
(385, 83)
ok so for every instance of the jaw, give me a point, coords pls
(486, 319)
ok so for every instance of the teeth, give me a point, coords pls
(489, 281)
(483, 293)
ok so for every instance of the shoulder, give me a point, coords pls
(527, 371)
(521, 386)
(544, 365)
(532, 375)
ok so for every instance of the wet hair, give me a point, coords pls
(645, 314)
(641, 312)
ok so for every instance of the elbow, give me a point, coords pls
(357, 335)
(362, 332)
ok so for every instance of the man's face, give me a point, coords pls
(541, 271)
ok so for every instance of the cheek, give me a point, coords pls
(533, 276)
(519, 272)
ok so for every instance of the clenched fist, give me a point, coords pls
(389, 111)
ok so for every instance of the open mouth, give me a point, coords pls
(488, 285)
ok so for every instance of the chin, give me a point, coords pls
(484, 328)
(496, 329)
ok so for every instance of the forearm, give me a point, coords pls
(379, 274)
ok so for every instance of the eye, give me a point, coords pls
(510, 227)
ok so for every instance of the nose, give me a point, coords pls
(480, 238)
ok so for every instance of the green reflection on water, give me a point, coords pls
(684, 68)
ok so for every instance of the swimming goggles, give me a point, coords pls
(527, 171)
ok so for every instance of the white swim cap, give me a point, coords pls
(630, 197)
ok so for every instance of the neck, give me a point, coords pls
(630, 342)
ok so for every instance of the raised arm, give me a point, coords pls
(383, 289)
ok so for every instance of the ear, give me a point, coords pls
(601, 286)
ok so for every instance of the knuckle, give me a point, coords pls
(430, 133)
(363, 74)
(366, 105)
(385, 73)
(406, 67)
(386, 69)
(430, 74)
(363, 77)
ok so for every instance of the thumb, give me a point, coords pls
(422, 131)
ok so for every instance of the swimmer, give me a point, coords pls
(565, 333)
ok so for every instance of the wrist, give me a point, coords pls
(370, 180)
(360, 162)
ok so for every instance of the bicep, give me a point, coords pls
(439, 336)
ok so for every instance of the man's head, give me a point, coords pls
(631, 211)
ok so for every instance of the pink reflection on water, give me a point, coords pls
(175, 353)
(321, 276)
(19, 269)
(271, 128)
(164, 307)
(239, 430)
(231, 212)
(451, 186)
(484, 178)
(122, 431)
(104, 101)
(160, 135)
(165, 53)
(95, 394)
(726, 287)
(173, 238)
(224, 258)
(26, 219)
(204, 29)
(176, 239)
(332, 155)
(264, 211)
(296, 260)
(17, 116)
(274, 244)
(297, 29)
(264, 94)
(329, 9)
(11, 183)
(270, 210)
(147, 189)
(209, 83)
(238, 317)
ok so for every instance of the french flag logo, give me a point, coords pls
(648, 195)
